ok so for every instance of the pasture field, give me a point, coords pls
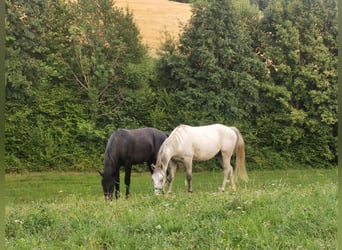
(281, 209)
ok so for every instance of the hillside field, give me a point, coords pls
(154, 17)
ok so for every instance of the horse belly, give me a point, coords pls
(205, 151)
(141, 154)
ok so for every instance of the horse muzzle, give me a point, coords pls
(158, 191)
(108, 196)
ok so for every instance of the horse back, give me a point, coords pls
(204, 142)
(138, 145)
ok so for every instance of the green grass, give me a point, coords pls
(293, 209)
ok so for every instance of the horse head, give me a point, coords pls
(158, 179)
(107, 186)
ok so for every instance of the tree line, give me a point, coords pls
(77, 70)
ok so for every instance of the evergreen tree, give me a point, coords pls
(214, 72)
(300, 50)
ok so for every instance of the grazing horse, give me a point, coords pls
(125, 148)
(186, 144)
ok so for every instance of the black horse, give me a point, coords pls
(127, 147)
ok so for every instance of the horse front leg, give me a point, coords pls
(149, 166)
(171, 175)
(127, 178)
(117, 185)
(188, 167)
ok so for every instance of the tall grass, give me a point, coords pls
(294, 209)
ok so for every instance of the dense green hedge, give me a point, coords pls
(75, 72)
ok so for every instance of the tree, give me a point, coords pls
(300, 51)
(42, 111)
(51, 122)
(104, 42)
(213, 72)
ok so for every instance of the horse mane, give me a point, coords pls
(176, 134)
(161, 159)
(108, 158)
(173, 139)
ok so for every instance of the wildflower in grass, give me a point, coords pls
(18, 222)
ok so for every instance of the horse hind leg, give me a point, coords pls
(227, 172)
(232, 180)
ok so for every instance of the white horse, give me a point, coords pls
(186, 144)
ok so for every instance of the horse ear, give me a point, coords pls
(100, 173)
(153, 166)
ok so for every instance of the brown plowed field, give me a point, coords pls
(154, 17)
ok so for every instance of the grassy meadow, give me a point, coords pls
(282, 209)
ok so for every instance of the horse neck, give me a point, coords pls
(164, 157)
(168, 148)
(110, 163)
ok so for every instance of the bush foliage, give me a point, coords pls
(76, 71)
